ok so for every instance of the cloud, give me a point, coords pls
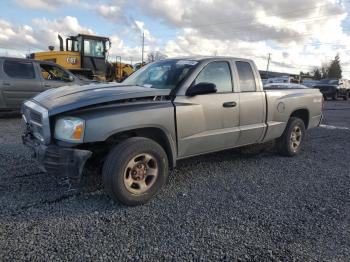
(20, 37)
(45, 4)
(112, 12)
(241, 19)
(126, 52)
(19, 40)
(140, 28)
(290, 30)
(40, 35)
(66, 25)
(299, 34)
(293, 58)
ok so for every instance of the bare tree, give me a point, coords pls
(155, 56)
(324, 71)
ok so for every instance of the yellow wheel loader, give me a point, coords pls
(86, 56)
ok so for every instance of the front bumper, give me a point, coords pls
(60, 161)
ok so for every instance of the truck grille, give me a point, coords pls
(35, 116)
(37, 121)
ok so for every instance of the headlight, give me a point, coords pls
(70, 129)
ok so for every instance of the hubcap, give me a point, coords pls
(295, 138)
(140, 173)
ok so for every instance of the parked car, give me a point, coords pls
(264, 81)
(310, 83)
(21, 79)
(284, 86)
(166, 111)
(280, 79)
(334, 88)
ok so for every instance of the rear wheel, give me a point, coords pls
(289, 144)
(135, 170)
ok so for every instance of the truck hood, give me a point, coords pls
(68, 98)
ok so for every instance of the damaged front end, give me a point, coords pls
(64, 162)
(60, 161)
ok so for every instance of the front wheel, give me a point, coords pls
(135, 170)
(289, 144)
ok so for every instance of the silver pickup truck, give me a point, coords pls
(166, 111)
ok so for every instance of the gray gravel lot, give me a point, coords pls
(238, 204)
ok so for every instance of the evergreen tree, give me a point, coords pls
(334, 69)
(317, 74)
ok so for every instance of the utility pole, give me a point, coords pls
(268, 65)
(143, 47)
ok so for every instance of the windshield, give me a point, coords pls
(165, 74)
(94, 48)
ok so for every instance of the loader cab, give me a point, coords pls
(92, 49)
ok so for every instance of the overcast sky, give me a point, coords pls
(299, 34)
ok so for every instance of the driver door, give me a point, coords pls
(208, 122)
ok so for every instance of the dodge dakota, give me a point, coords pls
(166, 111)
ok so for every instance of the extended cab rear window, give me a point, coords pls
(19, 69)
(246, 77)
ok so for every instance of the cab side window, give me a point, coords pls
(217, 73)
(246, 77)
(53, 73)
(19, 69)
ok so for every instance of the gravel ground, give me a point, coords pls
(233, 205)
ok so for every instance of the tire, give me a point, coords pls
(285, 145)
(126, 171)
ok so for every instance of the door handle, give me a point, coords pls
(6, 83)
(229, 104)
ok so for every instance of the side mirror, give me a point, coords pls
(201, 89)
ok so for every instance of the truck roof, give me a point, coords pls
(26, 59)
(209, 58)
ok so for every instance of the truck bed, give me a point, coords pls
(281, 103)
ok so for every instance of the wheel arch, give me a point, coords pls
(156, 134)
(303, 114)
